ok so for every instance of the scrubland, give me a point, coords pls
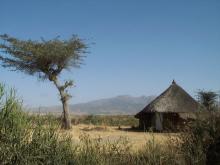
(28, 139)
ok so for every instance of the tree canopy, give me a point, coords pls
(44, 58)
(208, 99)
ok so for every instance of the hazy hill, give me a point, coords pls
(117, 105)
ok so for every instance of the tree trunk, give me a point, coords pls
(66, 116)
(66, 121)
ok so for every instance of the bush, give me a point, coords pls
(201, 143)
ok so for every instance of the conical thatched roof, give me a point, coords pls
(174, 99)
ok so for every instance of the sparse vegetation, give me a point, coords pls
(108, 120)
(26, 139)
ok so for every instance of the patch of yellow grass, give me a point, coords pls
(111, 134)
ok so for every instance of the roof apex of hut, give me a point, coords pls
(173, 100)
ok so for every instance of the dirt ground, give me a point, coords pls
(136, 139)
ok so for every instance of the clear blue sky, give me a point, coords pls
(140, 46)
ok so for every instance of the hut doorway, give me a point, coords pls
(158, 121)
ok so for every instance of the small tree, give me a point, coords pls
(208, 99)
(45, 59)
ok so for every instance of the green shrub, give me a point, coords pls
(201, 140)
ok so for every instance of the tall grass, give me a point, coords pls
(95, 151)
(23, 141)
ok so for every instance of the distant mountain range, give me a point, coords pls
(124, 104)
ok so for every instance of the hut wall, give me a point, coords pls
(172, 121)
(145, 122)
(160, 121)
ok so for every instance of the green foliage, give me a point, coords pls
(45, 58)
(208, 99)
(23, 141)
(199, 139)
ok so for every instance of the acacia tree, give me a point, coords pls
(45, 59)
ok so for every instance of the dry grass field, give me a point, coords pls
(112, 133)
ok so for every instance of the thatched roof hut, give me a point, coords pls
(168, 107)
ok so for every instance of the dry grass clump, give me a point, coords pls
(97, 151)
(95, 128)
